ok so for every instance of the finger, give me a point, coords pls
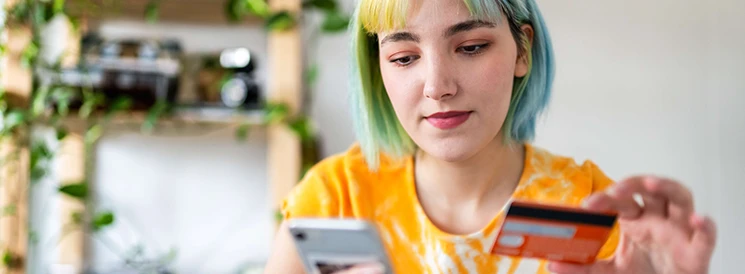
(604, 267)
(654, 205)
(680, 199)
(675, 192)
(626, 208)
(636, 188)
(565, 268)
(704, 236)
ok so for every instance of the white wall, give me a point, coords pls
(656, 87)
(642, 86)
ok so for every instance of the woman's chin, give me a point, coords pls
(451, 151)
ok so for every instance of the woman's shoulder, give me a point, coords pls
(549, 170)
(331, 184)
(352, 164)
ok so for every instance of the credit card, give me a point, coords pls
(553, 232)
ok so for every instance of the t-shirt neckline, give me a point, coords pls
(429, 225)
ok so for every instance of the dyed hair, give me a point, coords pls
(376, 125)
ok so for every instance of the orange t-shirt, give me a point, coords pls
(343, 186)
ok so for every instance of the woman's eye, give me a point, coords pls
(404, 61)
(473, 49)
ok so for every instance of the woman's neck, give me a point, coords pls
(489, 176)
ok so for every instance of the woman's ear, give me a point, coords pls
(523, 53)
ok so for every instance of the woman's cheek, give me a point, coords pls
(496, 79)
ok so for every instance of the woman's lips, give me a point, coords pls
(448, 120)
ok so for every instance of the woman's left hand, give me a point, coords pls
(664, 235)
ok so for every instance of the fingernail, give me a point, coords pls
(703, 220)
(612, 191)
(587, 201)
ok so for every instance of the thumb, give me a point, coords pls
(599, 267)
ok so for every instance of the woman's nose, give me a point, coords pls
(439, 81)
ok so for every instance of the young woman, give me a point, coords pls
(445, 99)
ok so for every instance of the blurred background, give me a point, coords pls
(158, 135)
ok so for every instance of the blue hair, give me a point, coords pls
(376, 126)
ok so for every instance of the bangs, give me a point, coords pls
(377, 16)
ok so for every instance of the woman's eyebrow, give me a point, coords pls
(452, 30)
(400, 36)
(466, 26)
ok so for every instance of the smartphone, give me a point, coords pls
(553, 232)
(327, 246)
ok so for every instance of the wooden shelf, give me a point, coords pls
(170, 11)
(183, 117)
(219, 115)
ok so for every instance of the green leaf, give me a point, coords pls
(169, 257)
(62, 93)
(59, 6)
(37, 173)
(276, 112)
(156, 111)
(63, 96)
(102, 220)
(14, 119)
(33, 237)
(120, 104)
(152, 10)
(7, 259)
(39, 102)
(28, 57)
(311, 75)
(61, 133)
(75, 22)
(302, 127)
(93, 134)
(91, 100)
(258, 7)
(3, 103)
(335, 22)
(45, 13)
(41, 150)
(77, 217)
(280, 21)
(9, 210)
(86, 109)
(79, 190)
(40, 154)
(235, 10)
(20, 11)
(241, 133)
(327, 5)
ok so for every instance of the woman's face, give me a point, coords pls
(450, 78)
